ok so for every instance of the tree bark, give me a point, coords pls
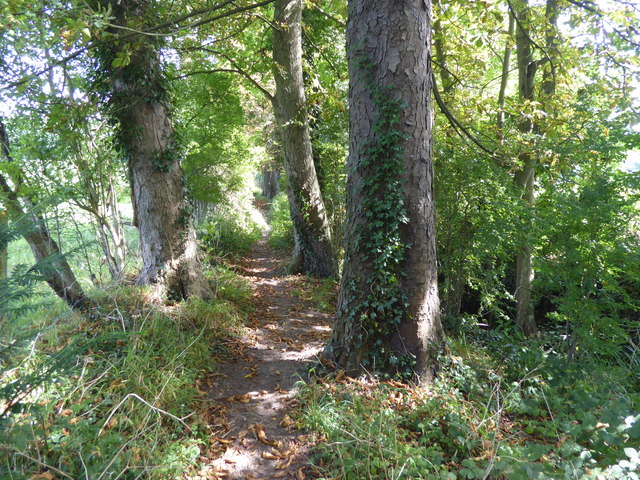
(388, 307)
(58, 273)
(313, 252)
(139, 102)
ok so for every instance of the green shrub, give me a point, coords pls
(502, 410)
(281, 237)
(228, 234)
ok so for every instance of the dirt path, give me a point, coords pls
(254, 391)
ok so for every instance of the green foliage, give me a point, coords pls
(497, 410)
(114, 394)
(281, 236)
(589, 259)
(232, 235)
(228, 286)
(218, 156)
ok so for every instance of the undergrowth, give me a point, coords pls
(225, 237)
(321, 292)
(498, 410)
(117, 393)
(281, 237)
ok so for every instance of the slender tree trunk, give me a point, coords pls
(58, 274)
(506, 66)
(313, 251)
(552, 40)
(270, 179)
(101, 202)
(525, 178)
(441, 58)
(116, 242)
(139, 102)
(388, 308)
(4, 244)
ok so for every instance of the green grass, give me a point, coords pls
(498, 410)
(117, 393)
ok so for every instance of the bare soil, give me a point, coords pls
(253, 393)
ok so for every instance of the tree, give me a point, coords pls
(525, 177)
(135, 84)
(313, 251)
(59, 275)
(388, 307)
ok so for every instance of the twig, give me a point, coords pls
(50, 467)
(154, 408)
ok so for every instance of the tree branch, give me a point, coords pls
(239, 70)
(135, 33)
(458, 127)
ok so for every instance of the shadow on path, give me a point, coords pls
(255, 390)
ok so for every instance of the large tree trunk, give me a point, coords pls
(388, 308)
(57, 273)
(313, 251)
(140, 104)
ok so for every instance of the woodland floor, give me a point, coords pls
(253, 391)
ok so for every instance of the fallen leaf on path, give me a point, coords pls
(44, 476)
(270, 456)
(261, 435)
(246, 398)
(286, 464)
(327, 363)
(225, 441)
(286, 422)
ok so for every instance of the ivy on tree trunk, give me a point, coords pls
(134, 82)
(388, 308)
